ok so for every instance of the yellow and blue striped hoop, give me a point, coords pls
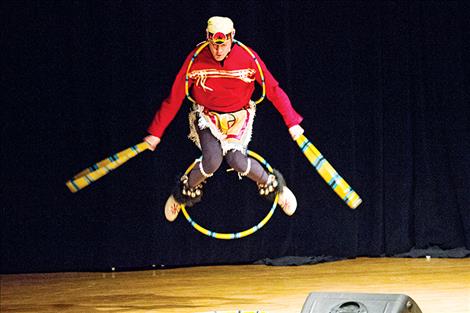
(241, 234)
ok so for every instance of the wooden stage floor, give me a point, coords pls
(436, 285)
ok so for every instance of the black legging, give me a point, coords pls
(212, 159)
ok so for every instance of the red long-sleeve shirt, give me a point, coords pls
(223, 87)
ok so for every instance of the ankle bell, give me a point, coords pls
(270, 186)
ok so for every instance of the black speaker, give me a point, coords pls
(331, 302)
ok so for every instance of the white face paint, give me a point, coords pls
(220, 51)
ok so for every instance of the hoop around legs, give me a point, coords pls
(241, 234)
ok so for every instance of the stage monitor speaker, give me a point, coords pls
(331, 302)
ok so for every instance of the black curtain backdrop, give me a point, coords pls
(383, 87)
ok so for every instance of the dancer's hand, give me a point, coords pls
(295, 131)
(153, 141)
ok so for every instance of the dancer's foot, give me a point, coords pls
(287, 201)
(172, 209)
(277, 184)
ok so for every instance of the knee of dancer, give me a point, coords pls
(211, 163)
(237, 161)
